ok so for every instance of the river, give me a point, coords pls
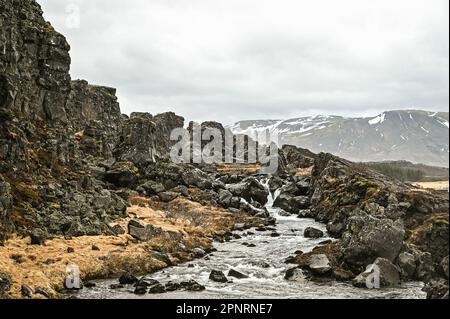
(263, 263)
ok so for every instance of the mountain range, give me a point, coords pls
(412, 135)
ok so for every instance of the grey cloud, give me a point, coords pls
(232, 60)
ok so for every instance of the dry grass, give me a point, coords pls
(441, 185)
(302, 171)
(239, 169)
(28, 265)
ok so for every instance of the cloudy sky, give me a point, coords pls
(229, 60)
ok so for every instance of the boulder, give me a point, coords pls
(437, 289)
(122, 174)
(157, 289)
(319, 264)
(137, 229)
(407, 264)
(5, 283)
(128, 279)
(218, 276)
(167, 196)
(251, 190)
(370, 238)
(291, 204)
(382, 272)
(153, 188)
(199, 252)
(26, 291)
(236, 274)
(181, 189)
(311, 232)
(38, 237)
(118, 230)
(197, 178)
(225, 198)
(297, 274)
(192, 285)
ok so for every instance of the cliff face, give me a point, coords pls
(59, 138)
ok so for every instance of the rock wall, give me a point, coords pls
(61, 139)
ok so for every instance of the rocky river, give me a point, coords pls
(261, 256)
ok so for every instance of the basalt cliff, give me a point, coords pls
(82, 183)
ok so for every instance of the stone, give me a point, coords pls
(292, 204)
(44, 292)
(225, 198)
(251, 190)
(140, 290)
(236, 274)
(388, 273)
(167, 196)
(372, 238)
(218, 276)
(437, 289)
(5, 283)
(407, 264)
(118, 230)
(319, 264)
(137, 229)
(128, 279)
(192, 285)
(70, 250)
(199, 252)
(26, 291)
(38, 237)
(311, 232)
(122, 174)
(157, 289)
(95, 248)
(297, 274)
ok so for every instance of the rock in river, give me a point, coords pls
(236, 274)
(311, 232)
(218, 276)
(319, 264)
(382, 271)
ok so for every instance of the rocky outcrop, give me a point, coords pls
(145, 138)
(369, 238)
(376, 217)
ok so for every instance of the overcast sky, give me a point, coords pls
(230, 60)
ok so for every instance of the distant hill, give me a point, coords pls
(412, 135)
(407, 171)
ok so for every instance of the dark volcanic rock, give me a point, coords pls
(372, 238)
(236, 274)
(218, 276)
(251, 190)
(26, 291)
(292, 204)
(128, 279)
(319, 264)
(311, 232)
(5, 283)
(38, 237)
(122, 174)
(388, 273)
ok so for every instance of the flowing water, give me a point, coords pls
(264, 264)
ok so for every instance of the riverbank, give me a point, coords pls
(42, 268)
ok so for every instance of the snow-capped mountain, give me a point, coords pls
(416, 136)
